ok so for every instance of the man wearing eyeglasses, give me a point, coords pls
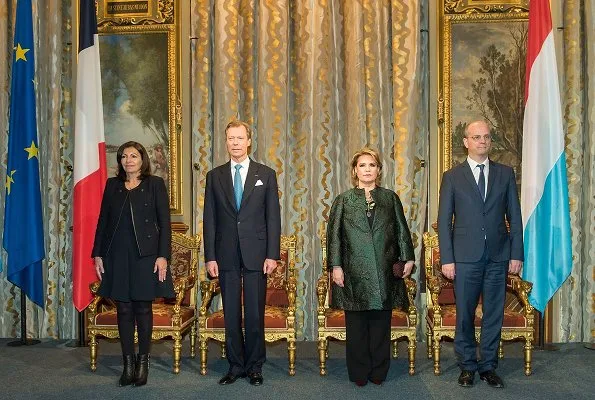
(477, 198)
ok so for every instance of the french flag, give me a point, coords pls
(90, 171)
(544, 187)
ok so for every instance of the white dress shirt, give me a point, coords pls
(243, 171)
(475, 170)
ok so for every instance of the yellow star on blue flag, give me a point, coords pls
(23, 223)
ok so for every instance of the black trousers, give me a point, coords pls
(244, 354)
(368, 344)
(139, 313)
(472, 279)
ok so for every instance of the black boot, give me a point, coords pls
(142, 370)
(128, 373)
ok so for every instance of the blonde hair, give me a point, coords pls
(366, 151)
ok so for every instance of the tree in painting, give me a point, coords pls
(498, 94)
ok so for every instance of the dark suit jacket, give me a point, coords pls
(368, 254)
(257, 225)
(150, 210)
(462, 238)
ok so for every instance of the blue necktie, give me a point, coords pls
(238, 190)
(481, 182)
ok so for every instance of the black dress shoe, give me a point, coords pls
(255, 378)
(492, 379)
(376, 381)
(230, 378)
(466, 378)
(361, 382)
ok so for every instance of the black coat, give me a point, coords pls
(151, 218)
(476, 221)
(256, 226)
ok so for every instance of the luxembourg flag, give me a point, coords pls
(90, 171)
(544, 188)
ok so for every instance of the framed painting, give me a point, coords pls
(482, 50)
(140, 72)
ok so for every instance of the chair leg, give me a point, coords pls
(223, 353)
(291, 355)
(528, 355)
(193, 341)
(429, 342)
(93, 352)
(411, 352)
(322, 354)
(501, 350)
(436, 355)
(202, 344)
(395, 344)
(177, 353)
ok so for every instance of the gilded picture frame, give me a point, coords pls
(481, 56)
(139, 44)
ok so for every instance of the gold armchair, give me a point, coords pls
(441, 316)
(279, 320)
(170, 318)
(331, 322)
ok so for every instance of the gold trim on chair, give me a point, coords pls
(324, 314)
(210, 289)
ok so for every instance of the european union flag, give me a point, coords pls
(23, 226)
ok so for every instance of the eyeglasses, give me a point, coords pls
(477, 138)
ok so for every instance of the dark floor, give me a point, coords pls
(56, 370)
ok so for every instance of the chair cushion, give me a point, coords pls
(162, 316)
(336, 319)
(512, 319)
(276, 297)
(274, 317)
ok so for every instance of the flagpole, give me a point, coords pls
(81, 328)
(25, 341)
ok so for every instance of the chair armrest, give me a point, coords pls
(208, 290)
(411, 288)
(92, 308)
(291, 288)
(521, 289)
(322, 287)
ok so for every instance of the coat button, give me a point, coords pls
(146, 205)
(146, 220)
(238, 222)
(148, 236)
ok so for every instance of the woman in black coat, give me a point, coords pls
(131, 252)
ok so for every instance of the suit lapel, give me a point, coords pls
(470, 178)
(492, 178)
(251, 179)
(227, 184)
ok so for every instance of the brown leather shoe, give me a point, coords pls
(466, 378)
(492, 379)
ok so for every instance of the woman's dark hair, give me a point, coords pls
(145, 168)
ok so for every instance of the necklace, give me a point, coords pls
(370, 204)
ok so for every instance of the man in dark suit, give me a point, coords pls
(242, 230)
(477, 197)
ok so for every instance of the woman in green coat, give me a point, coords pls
(367, 235)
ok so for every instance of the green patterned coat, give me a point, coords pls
(367, 254)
